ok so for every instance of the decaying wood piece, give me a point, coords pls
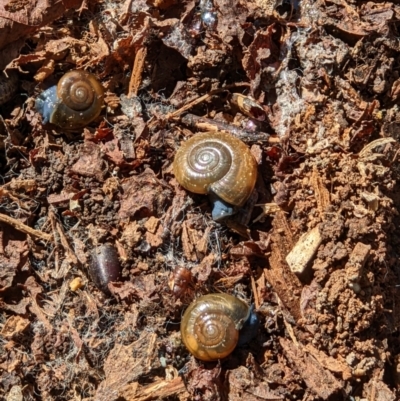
(283, 280)
(321, 193)
(318, 379)
(138, 66)
(25, 229)
(355, 264)
(330, 363)
(207, 124)
(20, 19)
(301, 255)
(158, 390)
(125, 364)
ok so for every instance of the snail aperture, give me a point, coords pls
(211, 326)
(218, 164)
(75, 101)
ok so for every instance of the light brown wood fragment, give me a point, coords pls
(13, 326)
(25, 229)
(155, 391)
(20, 22)
(285, 283)
(330, 363)
(317, 379)
(138, 67)
(125, 364)
(358, 257)
(255, 292)
(300, 257)
(367, 151)
(68, 250)
(36, 310)
(267, 209)
(356, 262)
(321, 193)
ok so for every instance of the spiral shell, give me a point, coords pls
(219, 163)
(75, 101)
(210, 325)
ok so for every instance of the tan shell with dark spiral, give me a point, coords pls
(216, 162)
(80, 99)
(210, 325)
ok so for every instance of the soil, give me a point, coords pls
(315, 249)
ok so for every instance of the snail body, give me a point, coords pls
(75, 101)
(218, 164)
(211, 326)
(104, 266)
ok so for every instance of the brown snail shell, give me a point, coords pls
(211, 324)
(217, 163)
(75, 101)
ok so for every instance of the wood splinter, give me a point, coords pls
(25, 229)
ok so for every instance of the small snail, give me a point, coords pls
(8, 86)
(218, 164)
(75, 101)
(104, 266)
(214, 324)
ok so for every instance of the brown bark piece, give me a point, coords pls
(356, 262)
(330, 363)
(155, 240)
(318, 379)
(25, 229)
(90, 162)
(191, 237)
(158, 390)
(131, 234)
(321, 193)
(125, 364)
(377, 390)
(18, 20)
(283, 280)
(136, 77)
(13, 255)
(143, 193)
(14, 325)
(243, 385)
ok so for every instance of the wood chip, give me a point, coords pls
(317, 379)
(303, 252)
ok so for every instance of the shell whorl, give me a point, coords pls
(219, 163)
(75, 101)
(211, 324)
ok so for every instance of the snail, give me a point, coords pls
(104, 266)
(8, 86)
(218, 164)
(214, 324)
(75, 101)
